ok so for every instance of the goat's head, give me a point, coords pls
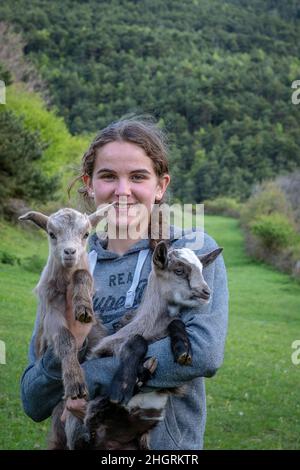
(68, 231)
(181, 274)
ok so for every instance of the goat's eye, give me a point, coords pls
(51, 235)
(179, 271)
(86, 235)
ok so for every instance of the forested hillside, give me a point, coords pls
(217, 73)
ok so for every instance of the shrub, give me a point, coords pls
(20, 150)
(33, 263)
(61, 157)
(290, 185)
(8, 258)
(5, 75)
(270, 225)
(267, 199)
(275, 230)
(223, 206)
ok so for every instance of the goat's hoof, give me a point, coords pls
(83, 314)
(121, 389)
(121, 395)
(77, 390)
(148, 369)
(184, 359)
(151, 364)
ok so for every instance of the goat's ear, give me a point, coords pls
(100, 213)
(37, 217)
(160, 255)
(208, 258)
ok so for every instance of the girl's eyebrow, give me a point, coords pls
(142, 170)
(109, 170)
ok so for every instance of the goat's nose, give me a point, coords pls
(69, 251)
(205, 293)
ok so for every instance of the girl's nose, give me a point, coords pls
(123, 188)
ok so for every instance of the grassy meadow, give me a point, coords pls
(252, 402)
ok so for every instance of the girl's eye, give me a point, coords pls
(86, 235)
(138, 177)
(112, 177)
(51, 235)
(107, 177)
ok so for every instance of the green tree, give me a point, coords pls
(20, 150)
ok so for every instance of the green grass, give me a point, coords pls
(17, 313)
(252, 402)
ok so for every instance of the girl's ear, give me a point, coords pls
(87, 183)
(38, 218)
(86, 180)
(162, 186)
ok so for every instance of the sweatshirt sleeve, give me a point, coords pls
(206, 327)
(41, 382)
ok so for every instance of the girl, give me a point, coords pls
(127, 164)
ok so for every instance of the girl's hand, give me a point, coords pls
(79, 330)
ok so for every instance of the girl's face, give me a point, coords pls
(123, 173)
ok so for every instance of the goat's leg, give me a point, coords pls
(82, 289)
(125, 379)
(78, 436)
(180, 343)
(73, 378)
(124, 320)
(96, 412)
(57, 437)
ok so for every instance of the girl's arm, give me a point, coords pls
(41, 382)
